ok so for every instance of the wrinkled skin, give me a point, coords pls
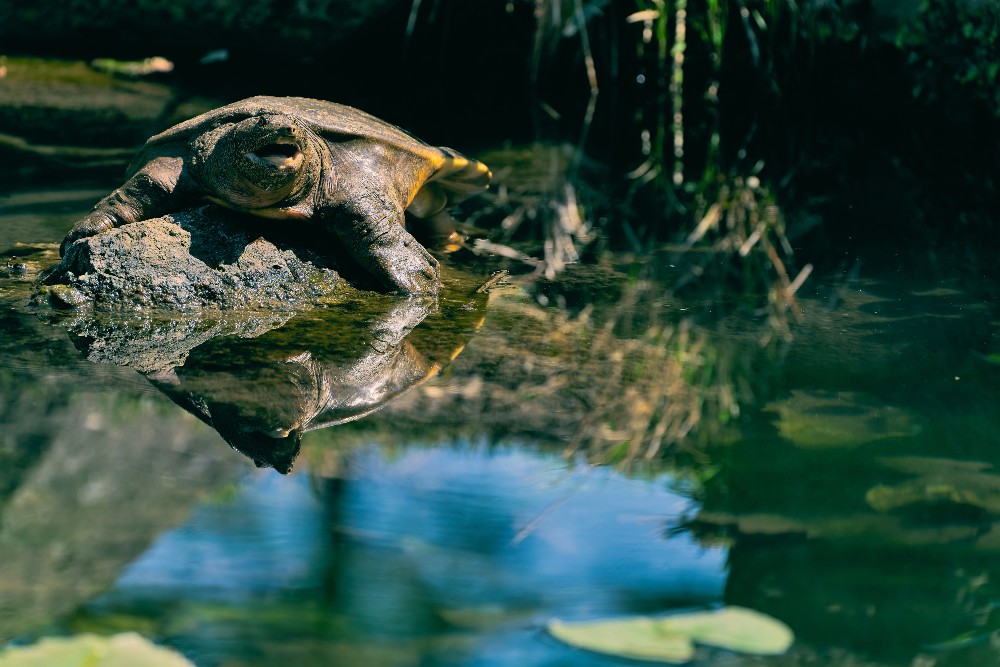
(297, 160)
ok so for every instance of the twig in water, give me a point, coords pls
(493, 281)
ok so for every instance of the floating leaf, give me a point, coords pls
(735, 629)
(819, 420)
(638, 637)
(671, 639)
(124, 650)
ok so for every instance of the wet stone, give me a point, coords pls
(62, 296)
(203, 258)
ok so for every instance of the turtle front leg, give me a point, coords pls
(371, 228)
(151, 192)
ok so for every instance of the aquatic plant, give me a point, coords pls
(658, 69)
(671, 639)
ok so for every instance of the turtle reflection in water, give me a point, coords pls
(320, 369)
(301, 159)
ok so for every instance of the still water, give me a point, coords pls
(853, 496)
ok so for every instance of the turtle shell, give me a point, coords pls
(329, 120)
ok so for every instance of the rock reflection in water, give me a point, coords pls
(262, 389)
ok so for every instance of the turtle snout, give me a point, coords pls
(278, 143)
(280, 154)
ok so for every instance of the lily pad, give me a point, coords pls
(672, 638)
(123, 650)
(735, 629)
(822, 420)
(638, 638)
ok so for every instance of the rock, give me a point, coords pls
(207, 258)
(144, 294)
(64, 296)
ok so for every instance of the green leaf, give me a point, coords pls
(639, 638)
(734, 629)
(123, 650)
(672, 638)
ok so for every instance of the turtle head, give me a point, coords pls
(258, 162)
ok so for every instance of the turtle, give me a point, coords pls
(320, 369)
(301, 159)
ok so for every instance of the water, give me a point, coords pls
(853, 496)
(435, 557)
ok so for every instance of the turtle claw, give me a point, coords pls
(93, 224)
(390, 253)
(413, 270)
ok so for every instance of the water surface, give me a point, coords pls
(855, 497)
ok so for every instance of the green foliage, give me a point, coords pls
(697, 53)
(952, 60)
(954, 53)
(716, 74)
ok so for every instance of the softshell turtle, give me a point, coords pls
(321, 369)
(293, 158)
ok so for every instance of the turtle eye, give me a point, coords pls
(280, 155)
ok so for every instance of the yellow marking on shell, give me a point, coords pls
(457, 352)
(434, 370)
(460, 161)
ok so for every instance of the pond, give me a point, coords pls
(841, 481)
